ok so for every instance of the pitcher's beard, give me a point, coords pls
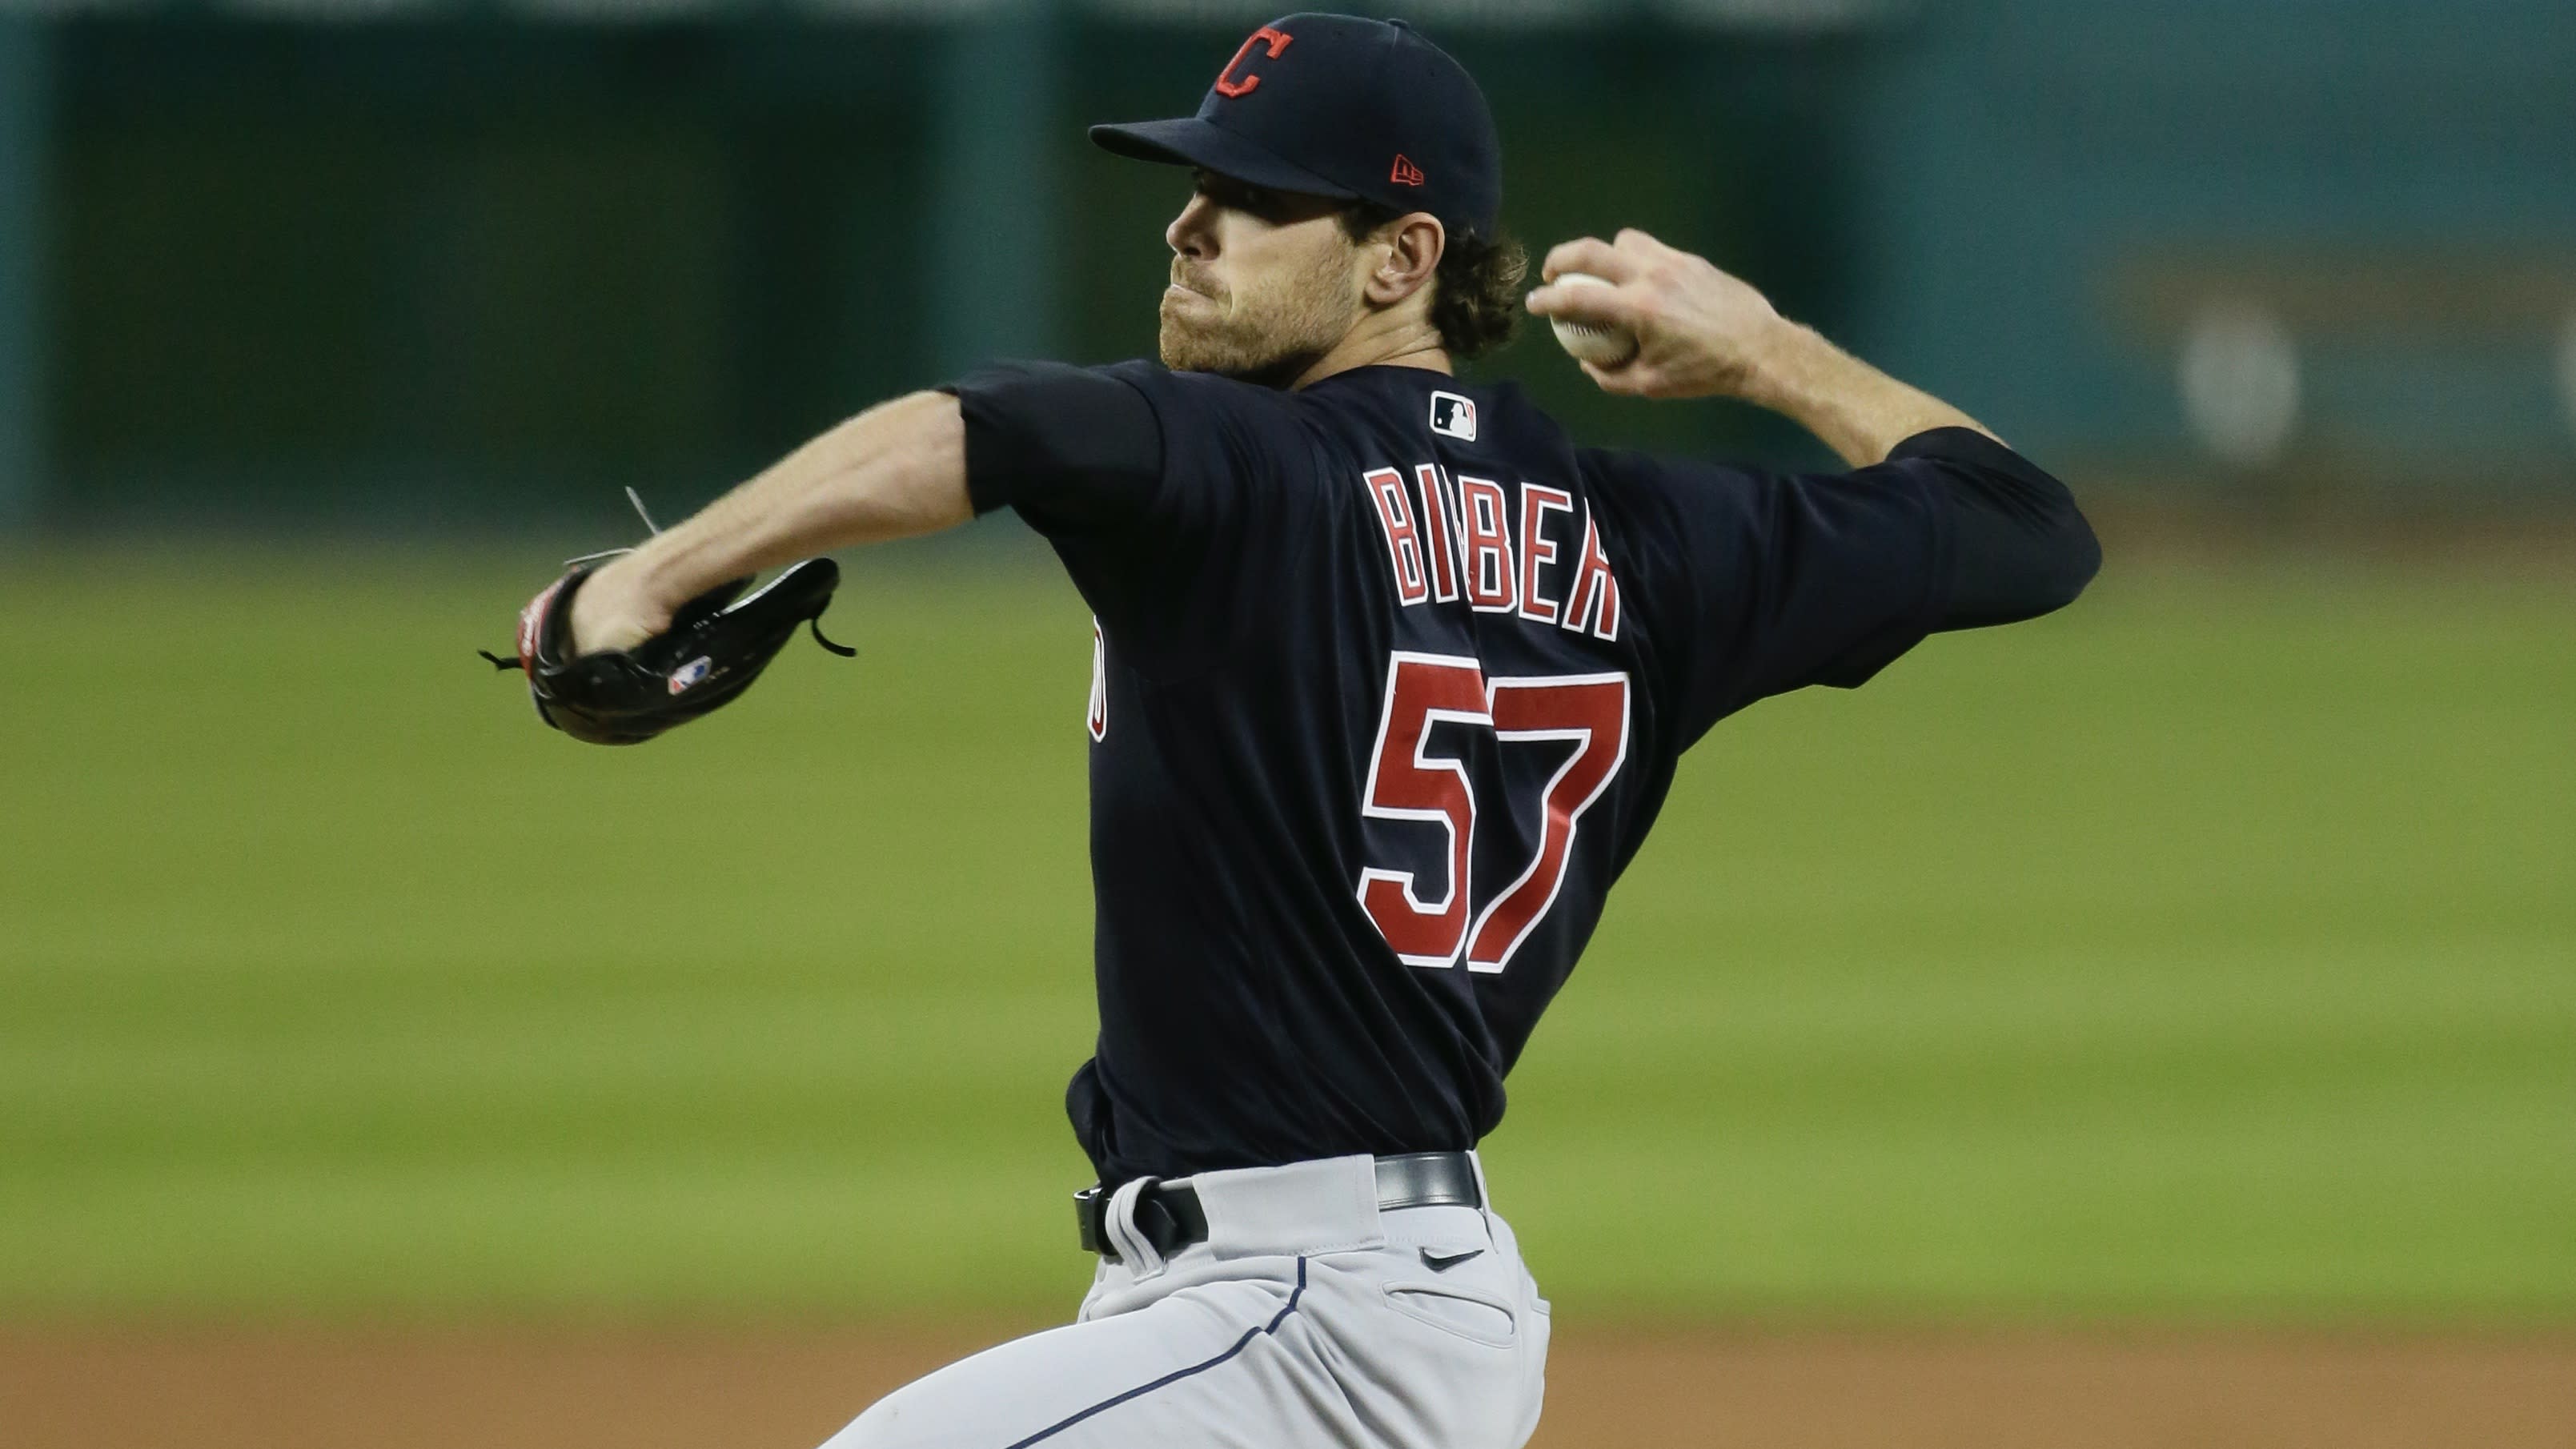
(1229, 350)
(1273, 344)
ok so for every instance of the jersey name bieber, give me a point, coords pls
(1528, 548)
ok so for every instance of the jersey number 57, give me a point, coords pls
(1410, 780)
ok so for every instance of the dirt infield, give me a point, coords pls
(568, 1389)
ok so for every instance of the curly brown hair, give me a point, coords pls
(1476, 293)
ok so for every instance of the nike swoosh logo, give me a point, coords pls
(1438, 1263)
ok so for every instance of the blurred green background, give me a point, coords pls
(2207, 951)
(389, 264)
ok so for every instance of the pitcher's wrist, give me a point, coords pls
(1783, 367)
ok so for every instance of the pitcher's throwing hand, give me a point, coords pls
(1700, 332)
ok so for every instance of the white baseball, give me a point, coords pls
(1600, 346)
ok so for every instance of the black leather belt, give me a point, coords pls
(1169, 1216)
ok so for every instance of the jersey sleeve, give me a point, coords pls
(1070, 448)
(1763, 583)
(1168, 495)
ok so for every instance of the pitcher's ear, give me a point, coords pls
(1414, 243)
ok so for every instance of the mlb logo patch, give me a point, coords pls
(1453, 416)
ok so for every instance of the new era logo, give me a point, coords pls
(1453, 416)
(1405, 172)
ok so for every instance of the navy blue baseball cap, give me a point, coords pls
(1333, 105)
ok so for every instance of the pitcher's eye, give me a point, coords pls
(1228, 192)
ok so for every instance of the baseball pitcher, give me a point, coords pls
(1391, 677)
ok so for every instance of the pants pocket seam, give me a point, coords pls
(1395, 1293)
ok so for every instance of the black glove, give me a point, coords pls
(716, 646)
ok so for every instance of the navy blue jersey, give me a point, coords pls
(1391, 679)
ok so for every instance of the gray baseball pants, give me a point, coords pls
(1309, 1319)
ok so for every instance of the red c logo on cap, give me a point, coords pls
(1226, 85)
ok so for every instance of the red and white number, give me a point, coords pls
(1591, 711)
(1406, 782)
(1410, 780)
(1097, 717)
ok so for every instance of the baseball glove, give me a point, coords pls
(716, 646)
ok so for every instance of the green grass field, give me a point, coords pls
(2208, 951)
